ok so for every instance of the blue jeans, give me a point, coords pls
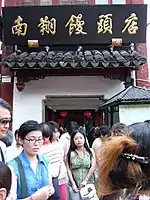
(56, 195)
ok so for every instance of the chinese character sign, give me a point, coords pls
(19, 28)
(75, 24)
(47, 25)
(131, 24)
(104, 24)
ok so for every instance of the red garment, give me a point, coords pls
(63, 192)
(46, 142)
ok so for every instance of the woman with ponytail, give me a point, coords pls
(124, 170)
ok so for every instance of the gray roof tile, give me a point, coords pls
(131, 94)
(73, 59)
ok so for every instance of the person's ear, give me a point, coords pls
(3, 194)
(20, 141)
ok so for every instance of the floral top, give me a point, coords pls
(80, 167)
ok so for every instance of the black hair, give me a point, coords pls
(62, 130)
(5, 104)
(71, 127)
(28, 127)
(73, 146)
(119, 129)
(103, 130)
(45, 128)
(52, 125)
(5, 177)
(140, 132)
(16, 132)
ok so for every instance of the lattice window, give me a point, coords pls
(69, 2)
(82, 2)
(30, 2)
(64, 2)
(97, 2)
(36, 2)
(119, 2)
(45, 2)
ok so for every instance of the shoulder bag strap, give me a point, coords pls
(2, 155)
(22, 178)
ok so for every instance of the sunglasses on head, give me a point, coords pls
(5, 121)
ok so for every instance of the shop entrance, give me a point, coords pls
(83, 110)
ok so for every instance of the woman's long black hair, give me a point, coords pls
(73, 146)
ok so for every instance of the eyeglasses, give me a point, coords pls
(34, 140)
(5, 121)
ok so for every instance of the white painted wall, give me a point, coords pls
(134, 113)
(28, 103)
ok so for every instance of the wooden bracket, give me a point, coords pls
(20, 83)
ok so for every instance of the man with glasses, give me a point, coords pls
(5, 120)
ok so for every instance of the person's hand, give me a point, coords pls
(44, 193)
(74, 188)
(82, 184)
(89, 192)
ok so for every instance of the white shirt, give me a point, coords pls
(65, 142)
(13, 151)
(3, 148)
(97, 143)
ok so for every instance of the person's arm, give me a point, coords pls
(61, 161)
(13, 190)
(42, 194)
(50, 174)
(91, 170)
(63, 143)
(70, 176)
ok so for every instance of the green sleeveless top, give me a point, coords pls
(80, 167)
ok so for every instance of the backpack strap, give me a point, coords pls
(22, 178)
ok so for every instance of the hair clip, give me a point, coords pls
(136, 158)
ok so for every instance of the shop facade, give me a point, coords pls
(52, 78)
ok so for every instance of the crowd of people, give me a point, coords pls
(48, 162)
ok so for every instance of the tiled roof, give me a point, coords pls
(75, 59)
(131, 94)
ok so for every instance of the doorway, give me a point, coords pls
(64, 116)
(82, 109)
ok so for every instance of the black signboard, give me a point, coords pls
(80, 24)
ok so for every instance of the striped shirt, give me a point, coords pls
(55, 154)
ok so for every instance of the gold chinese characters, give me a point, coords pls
(47, 25)
(75, 24)
(131, 24)
(20, 28)
(104, 24)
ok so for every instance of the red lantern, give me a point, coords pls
(87, 114)
(63, 114)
